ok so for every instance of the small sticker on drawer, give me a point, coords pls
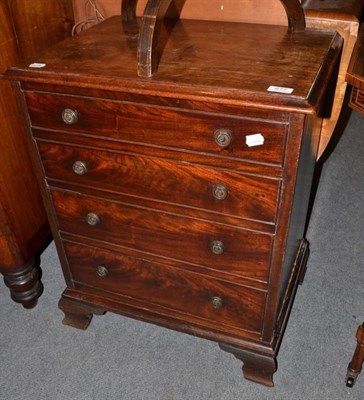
(37, 65)
(255, 140)
(280, 89)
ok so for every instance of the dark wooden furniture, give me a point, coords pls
(342, 16)
(356, 363)
(26, 27)
(355, 77)
(181, 199)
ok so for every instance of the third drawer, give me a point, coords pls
(202, 243)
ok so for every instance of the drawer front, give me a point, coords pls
(215, 190)
(159, 126)
(199, 242)
(194, 294)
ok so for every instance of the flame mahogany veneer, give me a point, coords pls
(338, 15)
(26, 27)
(159, 208)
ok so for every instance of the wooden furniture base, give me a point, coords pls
(26, 28)
(356, 363)
(24, 283)
(258, 368)
(78, 315)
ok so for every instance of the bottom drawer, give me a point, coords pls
(204, 297)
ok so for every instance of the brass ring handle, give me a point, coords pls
(217, 247)
(219, 191)
(69, 116)
(223, 137)
(154, 13)
(102, 271)
(79, 167)
(216, 302)
(92, 219)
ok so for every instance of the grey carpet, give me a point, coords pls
(119, 358)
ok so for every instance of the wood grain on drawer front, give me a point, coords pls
(245, 253)
(160, 126)
(174, 288)
(191, 185)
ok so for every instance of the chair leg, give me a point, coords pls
(356, 363)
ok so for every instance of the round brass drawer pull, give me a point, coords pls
(79, 167)
(219, 191)
(217, 302)
(223, 137)
(69, 116)
(217, 247)
(92, 219)
(102, 271)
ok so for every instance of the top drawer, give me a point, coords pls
(161, 126)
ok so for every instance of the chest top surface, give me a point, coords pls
(231, 61)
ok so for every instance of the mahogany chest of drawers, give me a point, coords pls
(181, 199)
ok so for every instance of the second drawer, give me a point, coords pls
(215, 190)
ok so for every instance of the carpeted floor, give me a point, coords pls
(119, 358)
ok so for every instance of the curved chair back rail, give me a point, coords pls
(154, 13)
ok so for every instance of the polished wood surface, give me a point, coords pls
(118, 119)
(356, 364)
(130, 226)
(175, 288)
(340, 15)
(40, 23)
(153, 17)
(24, 230)
(162, 246)
(296, 59)
(194, 183)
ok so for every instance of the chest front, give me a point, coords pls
(181, 199)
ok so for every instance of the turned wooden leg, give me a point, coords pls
(356, 363)
(78, 315)
(24, 284)
(257, 367)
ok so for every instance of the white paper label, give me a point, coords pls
(279, 89)
(255, 140)
(37, 65)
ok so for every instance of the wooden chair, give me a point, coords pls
(356, 363)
